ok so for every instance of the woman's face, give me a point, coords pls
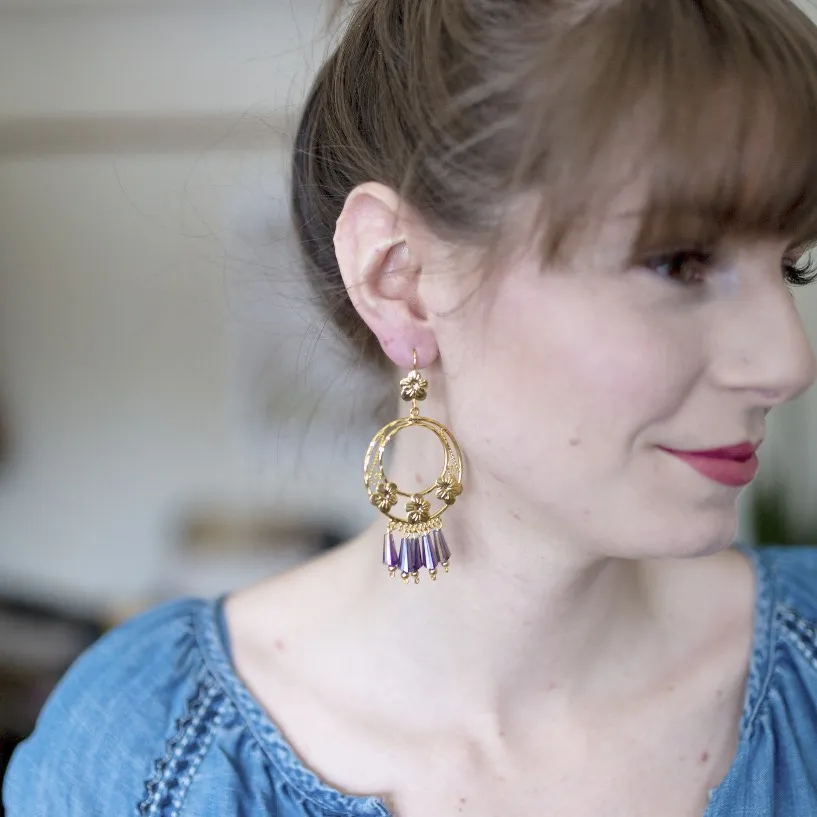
(567, 385)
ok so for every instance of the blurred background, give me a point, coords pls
(174, 417)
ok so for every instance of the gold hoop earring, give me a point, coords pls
(422, 543)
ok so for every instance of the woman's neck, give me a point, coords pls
(516, 617)
(526, 612)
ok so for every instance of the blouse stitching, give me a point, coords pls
(802, 634)
(269, 738)
(762, 659)
(174, 771)
(311, 788)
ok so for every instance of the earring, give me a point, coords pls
(422, 543)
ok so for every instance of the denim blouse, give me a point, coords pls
(154, 722)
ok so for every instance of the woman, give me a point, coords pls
(582, 218)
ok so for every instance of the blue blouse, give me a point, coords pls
(154, 722)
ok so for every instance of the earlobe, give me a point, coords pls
(381, 268)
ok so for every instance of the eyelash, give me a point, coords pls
(803, 274)
(796, 275)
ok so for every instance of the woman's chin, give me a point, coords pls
(706, 543)
(695, 536)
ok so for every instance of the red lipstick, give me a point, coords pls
(735, 465)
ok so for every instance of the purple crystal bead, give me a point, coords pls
(429, 552)
(390, 558)
(410, 558)
(416, 561)
(443, 553)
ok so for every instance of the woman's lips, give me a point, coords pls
(735, 466)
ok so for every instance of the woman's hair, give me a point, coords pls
(463, 106)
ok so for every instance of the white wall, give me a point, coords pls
(155, 352)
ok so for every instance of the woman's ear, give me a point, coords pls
(380, 263)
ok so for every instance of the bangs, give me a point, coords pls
(708, 109)
(735, 151)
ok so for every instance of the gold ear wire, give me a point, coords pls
(422, 543)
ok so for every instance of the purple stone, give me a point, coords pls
(407, 548)
(429, 552)
(389, 551)
(416, 560)
(443, 553)
(410, 557)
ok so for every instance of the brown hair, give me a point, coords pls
(462, 105)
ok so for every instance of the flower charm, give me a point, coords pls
(385, 497)
(448, 490)
(414, 387)
(417, 510)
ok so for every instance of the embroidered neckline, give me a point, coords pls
(173, 773)
(213, 639)
(761, 665)
(214, 642)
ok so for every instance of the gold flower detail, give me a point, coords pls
(448, 490)
(385, 496)
(414, 387)
(417, 510)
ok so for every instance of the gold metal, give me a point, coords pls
(414, 387)
(385, 496)
(383, 492)
(420, 516)
(417, 510)
(448, 490)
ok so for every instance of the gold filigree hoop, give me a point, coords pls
(418, 519)
(384, 494)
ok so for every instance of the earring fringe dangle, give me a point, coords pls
(421, 540)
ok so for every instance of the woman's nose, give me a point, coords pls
(765, 349)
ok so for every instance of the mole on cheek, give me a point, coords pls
(574, 442)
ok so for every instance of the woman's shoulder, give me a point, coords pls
(790, 605)
(793, 572)
(153, 720)
(778, 724)
(101, 730)
(786, 616)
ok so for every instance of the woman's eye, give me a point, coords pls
(802, 273)
(685, 267)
